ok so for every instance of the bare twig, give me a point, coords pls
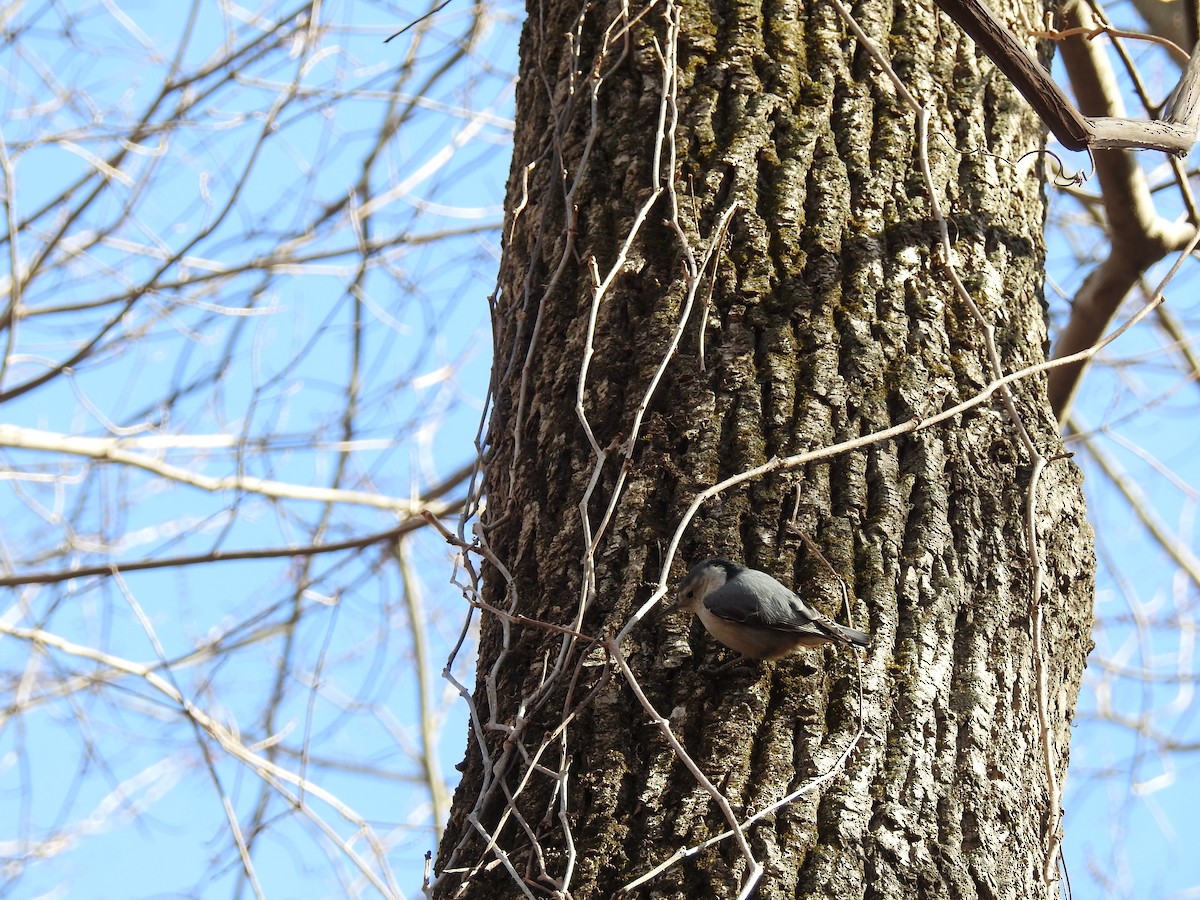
(1175, 133)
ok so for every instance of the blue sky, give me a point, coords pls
(222, 348)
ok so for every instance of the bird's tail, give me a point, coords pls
(853, 636)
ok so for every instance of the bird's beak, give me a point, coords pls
(666, 608)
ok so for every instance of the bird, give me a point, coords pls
(751, 612)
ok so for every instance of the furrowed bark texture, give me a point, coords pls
(830, 318)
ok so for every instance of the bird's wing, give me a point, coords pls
(754, 598)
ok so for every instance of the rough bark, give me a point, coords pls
(830, 318)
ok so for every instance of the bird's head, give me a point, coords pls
(702, 579)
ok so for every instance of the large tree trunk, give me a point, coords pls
(830, 317)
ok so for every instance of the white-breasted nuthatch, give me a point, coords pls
(752, 613)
